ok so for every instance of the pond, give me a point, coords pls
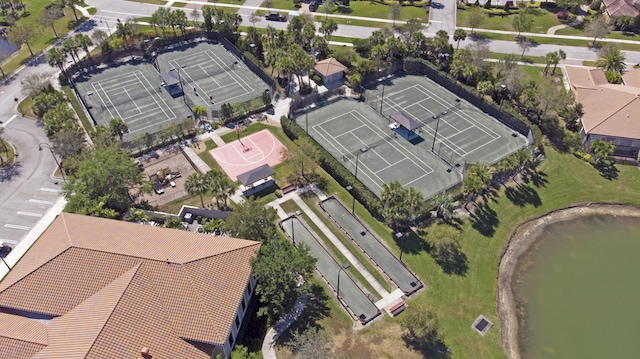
(7, 48)
(578, 290)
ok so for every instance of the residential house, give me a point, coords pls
(611, 112)
(99, 288)
(613, 9)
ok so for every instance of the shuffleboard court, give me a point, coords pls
(130, 91)
(247, 153)
(359, 305)
(372, 246)
(215, 74)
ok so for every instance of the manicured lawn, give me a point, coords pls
(7, 157)
(25, 107)
(282, 4)
(543, 20)
(552, 41)
(251, 129)
(562, 180)
(41, 42)
(154, 2)
(179, 4)
(77, 107)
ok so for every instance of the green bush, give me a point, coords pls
(595, 5)
(613, 77)
(278, 193)
(335, 169)
(317, 79)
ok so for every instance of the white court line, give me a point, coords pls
(153, 98)
(234, 75)
(44, 189)
(39, 201)
(15, 226)
(30, 214)
(127, 92)
(396, 148)
(10, 241)
(97, 92)
(110, 101)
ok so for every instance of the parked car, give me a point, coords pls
(313, 6)
(276, 16)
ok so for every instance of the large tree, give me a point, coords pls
(395, 10)
(303, 155)
(280, 267)
(118, 128)
(422, 330)
(444, 241)
(459, 35)
(23, 34)
(522, 22)
(602, 150)
(476, 17)
(49, 15)
(598, 27)
(311, 343)
(197, 184)
(105, 177)
(251, 220)
(328, 27)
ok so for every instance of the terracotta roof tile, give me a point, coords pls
(18, 349)
(113, 290)
(632, 77)
(329, 67)
(21, 328)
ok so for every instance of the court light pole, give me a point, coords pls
(106, 22)
(342, 267)
(54, 158)
(382, 98)
(436, 133)
(361, 151)
(353, 202)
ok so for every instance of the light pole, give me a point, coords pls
(106, 22)
(436, 133)
(180, 80)
(361, 151)
(382, 99)
(54, 157)
(353, 202)
(342, 267)
(503, 88)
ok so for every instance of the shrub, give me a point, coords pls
(317, 79)
(595, 5)
(562, 15)
(613, 77)
(278, 193)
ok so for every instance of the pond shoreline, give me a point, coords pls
(519, 242)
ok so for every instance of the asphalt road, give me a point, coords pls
(28, 189)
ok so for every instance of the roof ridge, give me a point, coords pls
(34, 270)
(250, 243)
(137, 269)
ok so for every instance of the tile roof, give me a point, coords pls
(617, 8)
(329, 67)
(632, 77)
(609, 109)
(114, 287)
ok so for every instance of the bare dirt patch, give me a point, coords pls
(519, 242)
(174, 160)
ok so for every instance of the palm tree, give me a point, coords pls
(551, 58)
(444, 206)
(56, 57)
(472, 186)
(84, 41)
(69, 46)
(459, 35)
(72, 5)
(271, 33)
(197, 184)
(123, 31)
(394, 12)
(611, 59)
(328, 27)
(561, 57)
(602, 150)
(118, 128)
(483, 171)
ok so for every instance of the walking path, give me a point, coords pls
(583, 11)
(269, 343)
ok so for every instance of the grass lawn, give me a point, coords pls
(542, 21)
(179, 4)
(77, 107)
(8, 157)
(42, 41)
(457, 300)
(25, 107)
(154, 2)
(552, 41)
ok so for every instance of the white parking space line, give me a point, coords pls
(49, 189)
(30, 214)
(39, 201)
(15, 226)
(9, 241)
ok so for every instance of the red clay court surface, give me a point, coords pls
(259, 148)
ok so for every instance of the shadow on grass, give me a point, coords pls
(537, 178)
(315, 310)
(410, 243)
(457, 263)
(484, 220)
(522, 195)
(435, 349)
(607, 170)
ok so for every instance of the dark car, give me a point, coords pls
(313, 6)
(275, 16)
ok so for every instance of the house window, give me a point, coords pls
(244, 305)
(230, 339)
(237, 322)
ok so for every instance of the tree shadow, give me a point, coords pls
(484, 220)
(457, 263)
(344, 10)
(8, 173)
(537, 178)
(315, 310)
(435, 349)
(409, 242)
(522, 195)
(607, 170)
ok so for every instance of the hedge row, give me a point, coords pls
(336, 170)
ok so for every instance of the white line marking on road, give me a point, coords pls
(10, 241)
(39, 201)
(50, 189)
(11, 119)
(30, 214)
(15, 226)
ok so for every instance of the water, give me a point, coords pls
(580, 284)
(6, 48)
